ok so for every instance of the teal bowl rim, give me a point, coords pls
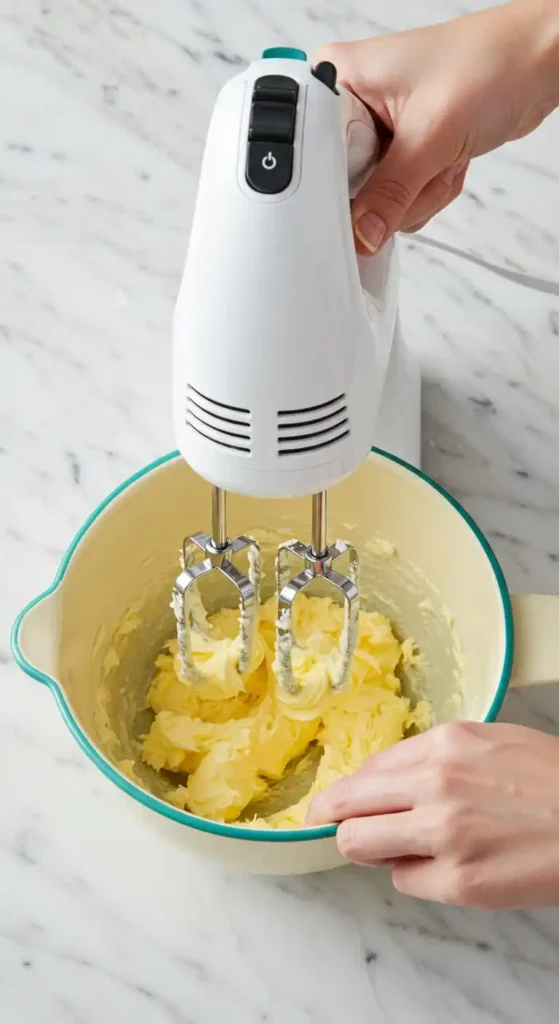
(184, 817)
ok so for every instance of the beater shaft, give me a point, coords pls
(319, 543)
(219, 517)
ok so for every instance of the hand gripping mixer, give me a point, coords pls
(288, 360)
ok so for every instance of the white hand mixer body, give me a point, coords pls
(288, 361)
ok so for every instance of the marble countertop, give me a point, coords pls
(100, 144)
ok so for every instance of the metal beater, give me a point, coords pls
(219, 551)
(317, 557)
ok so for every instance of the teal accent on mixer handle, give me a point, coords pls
(284, 52)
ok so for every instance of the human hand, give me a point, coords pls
(465, 813)
(446, 94)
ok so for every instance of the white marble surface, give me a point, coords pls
(103, 114)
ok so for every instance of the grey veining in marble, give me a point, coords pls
(103, 115)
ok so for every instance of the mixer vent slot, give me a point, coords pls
(316, 426)
(225, 425)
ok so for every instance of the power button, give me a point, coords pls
(269, 166)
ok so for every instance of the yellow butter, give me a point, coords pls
(234, 737)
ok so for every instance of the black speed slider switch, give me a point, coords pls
(278, 88)
(271, 122)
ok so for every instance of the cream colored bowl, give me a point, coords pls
(424, 563)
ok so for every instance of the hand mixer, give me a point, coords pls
(288, 359)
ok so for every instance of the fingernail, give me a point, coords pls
(371, 229)
(452, 172)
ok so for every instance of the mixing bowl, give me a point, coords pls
(424, 563)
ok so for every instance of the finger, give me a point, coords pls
(408, 753)
(381, 206)
(444, 741)
(362, 793)
(361, 249)
(385, 837)
(437, 194)
(389, 781)
(459, 742)
(416, 227)
(425, 879)
(425, 211)
(430, 201)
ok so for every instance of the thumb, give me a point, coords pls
(380, 207)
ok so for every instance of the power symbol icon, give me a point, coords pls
(269, 162)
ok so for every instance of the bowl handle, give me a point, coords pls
(35, 637)
(536, 628)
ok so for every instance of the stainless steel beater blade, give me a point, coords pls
(219, 552)
(318, 559)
